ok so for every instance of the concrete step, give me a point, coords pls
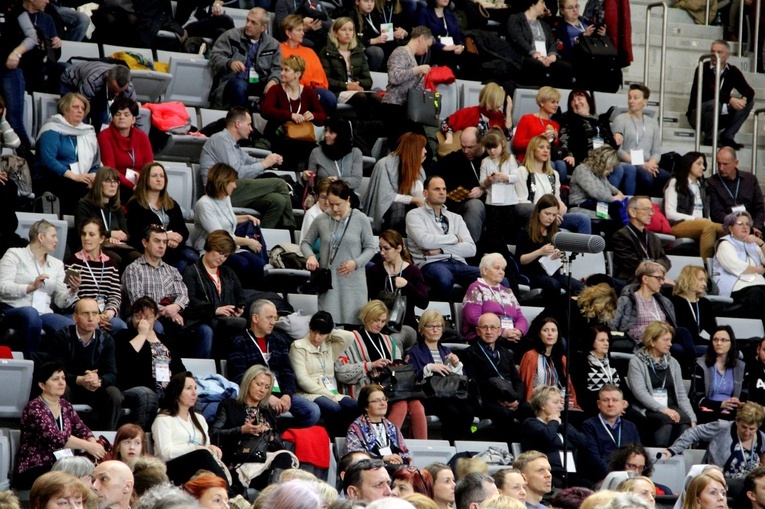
(674, 15)
(675, 29)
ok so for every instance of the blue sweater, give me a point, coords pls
(428, 18)
(56, 152)
(600, 444)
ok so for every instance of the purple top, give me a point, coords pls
(40, 435)
(482, 298)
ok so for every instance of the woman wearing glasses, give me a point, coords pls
(431, 358)
(372, 433)
(718, 378)
(103, 202)
(656, 381)
(739, 265)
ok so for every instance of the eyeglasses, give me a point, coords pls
(658, 278)
(378, 400)
(571, 8)
(112, 181)
(632, 466)
(488, 327)
(433, 326)
(742, 223)
(720, 340)
(647, 210)
(157, 228)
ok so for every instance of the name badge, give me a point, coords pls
(497, 193)
(275, 388)
(570, 465)
(661, 397)
(601, 209)
(254, 78)
(597, 142)
(541, 47)
(385, 451)
(63, 453)
(131, 175)
(386, 29)
(75, 167)
(506, 322)
(162, 371)
(637, 157)
(329, 384)
(39, 300)
(446, 40)
(101, 300)
(738, 209)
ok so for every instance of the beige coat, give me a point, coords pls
(311, 364)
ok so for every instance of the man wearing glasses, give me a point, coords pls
(634, 244)
(493, 367)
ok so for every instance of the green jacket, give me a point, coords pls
(336, 70)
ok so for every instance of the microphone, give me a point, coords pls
(578, 242)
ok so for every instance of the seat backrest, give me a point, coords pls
(531, 312)
(45, 106)
(524, 101)
(180, 186)
(442, 307)
(743, 327)
(470, 90)
(110, 49)
(192, 81)
(71, 49)
(199, 367)
(477, 446)
(309, 304)
(588, 263)
(209, 116)
(379, 80)
(16, 377)
(668, 471)
(450, 98)
(425, 452)
(678, 262)
(274, 236)
(29, 118)
(150, 86)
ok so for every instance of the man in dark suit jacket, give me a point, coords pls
(608, 430)
(493, 368)
(634, 244)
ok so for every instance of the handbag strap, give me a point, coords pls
(337, 247)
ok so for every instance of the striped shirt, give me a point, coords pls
(99, 277)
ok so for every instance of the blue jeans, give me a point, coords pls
(181, 257)
(29, 324)
(649, 185)
(577, 223)
(560, 167)
(442, 275)
(327, 99)
(306, 413)
(248, 266)
(77, 22)
(624, 177)
(337, 415)
(13, 92)
(238, 90)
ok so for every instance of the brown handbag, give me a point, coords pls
(301, 132)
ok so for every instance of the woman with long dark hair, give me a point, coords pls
(396, 184)
(686, 204)
(336, 158)
(180, 435)
(152, 204)
(545, 364)
(535, 248)
(718, 378)
(592, 369)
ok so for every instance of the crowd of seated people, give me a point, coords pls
(140, 291)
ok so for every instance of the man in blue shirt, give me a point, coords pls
(608, 431)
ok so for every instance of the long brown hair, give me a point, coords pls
(96, 193)
(409, 153)
(394, 238)
(535, 225)
(141, 190)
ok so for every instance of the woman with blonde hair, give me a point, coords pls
(396, 185)
(420, 501)
(705, 492)
(368, 356)
(502, 502)
(641, 486)
(655, 379)
(541, 123)
(590, 183)
(494, 110)
(691, 310)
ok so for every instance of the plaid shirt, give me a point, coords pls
(160, 282)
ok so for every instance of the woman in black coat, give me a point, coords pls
(215, 292)
(249, 415)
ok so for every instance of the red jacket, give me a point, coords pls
(529, 126)
(120, 152)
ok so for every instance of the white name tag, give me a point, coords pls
(738, 209)
(637, 157)
(506, 322)
(447, 41)
(497, 194)
(63, 453)
(162, 371)
(131, 175)
(597, 142)
(385, 451)
(39, 300)
(75, 167)
(329, 384)
(570, 465)
(661, 397)
(601, 209)
(386, 29)
(541, 47)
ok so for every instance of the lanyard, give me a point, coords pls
(192, 434)
(653, 368)
(381, 435)
(498, 297)
(74, 147)
(341, 167)
(101, 279)
(266, 356)
(657, 314)
(637, 135)
(738, 185)
(380, 349)
(160, 213)
(107, 224)
(748, 456)
(300, 101)
(549, 367)
(389, 17)
(717, 376)
(474, 172)
(37, 267)
(493, 365)
(322, 360)
(446, 28)
(640, 242)
(608, 430)
(696, 313)
(131, 153)
(366, 17)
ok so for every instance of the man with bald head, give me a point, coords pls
(461, 169)
(730, 188)
(492, 366)
(113, 485)
(87, 353)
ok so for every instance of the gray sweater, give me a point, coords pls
(425, 234)
(221, 148)
(647, 132)
(350, 168)
(586, 185)
(640, 383)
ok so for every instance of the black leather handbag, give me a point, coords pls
(424, 107)
(451, 386)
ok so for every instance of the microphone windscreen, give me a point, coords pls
(578, 242)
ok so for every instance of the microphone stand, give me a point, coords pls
(567, 270)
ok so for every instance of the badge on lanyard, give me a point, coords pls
(637, 157)
(597, 142)
(330, 385)
(162, 371)
(385, 451)
(661, 397)
(506, 322)
(101, 300)
(253, 77)
(601, 209)
(63, 453)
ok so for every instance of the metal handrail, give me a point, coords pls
(716, 115)
(706, 22)
(754, 139)
(755, 38)
(665, 12)
(740, 30)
